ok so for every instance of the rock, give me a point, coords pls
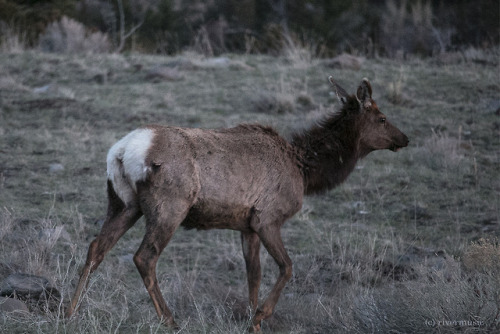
(56, 168)
(137, 67)
(345, 61)
(100, 78)
(29, 287)
(7, 268)
(494, 105)
(23, 284)
(182, 64)
(42, 89)
(420, 214)
(164, 73)
(432, 258)
(51, 235)
(99, 222)
(11, 305)
(413, 263)
(221, 63)
(217, 62)
(448, 58)
(126, 259)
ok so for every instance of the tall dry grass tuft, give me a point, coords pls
(395, 89)
(11, 39)
(203, 43)
(287, 97)
(210, 38)
(442, 151)
(7, 222)
(29, 244)
(408, 28)
(483, 256)
(301, 52)
(70, 36)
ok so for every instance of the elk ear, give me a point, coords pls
(364, 93)
(341, 93)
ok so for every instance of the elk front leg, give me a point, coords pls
(250, 243)
(271, 239)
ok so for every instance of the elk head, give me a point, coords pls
(375, 131)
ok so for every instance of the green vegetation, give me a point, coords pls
(407, 244)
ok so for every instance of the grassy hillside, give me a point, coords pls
(407, 244)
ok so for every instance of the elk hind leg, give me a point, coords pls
(159, 231)
(271, 239)
(120, 219)
(250, 243)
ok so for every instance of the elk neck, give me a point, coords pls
(328, 152)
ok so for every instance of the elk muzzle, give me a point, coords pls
(399, 141)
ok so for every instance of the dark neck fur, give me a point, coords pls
(328, 151)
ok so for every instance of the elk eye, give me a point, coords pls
(382, 120)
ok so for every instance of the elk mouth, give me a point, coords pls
(395, 148)
(399, 143)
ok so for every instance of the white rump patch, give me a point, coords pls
(127, 162)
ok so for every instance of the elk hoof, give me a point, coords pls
(69, 312)
(171, 324)
(259, 315)
(255, 328)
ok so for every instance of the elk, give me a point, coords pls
(247, 178)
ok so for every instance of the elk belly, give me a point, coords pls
(207, 214)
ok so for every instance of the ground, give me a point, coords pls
(406, 244)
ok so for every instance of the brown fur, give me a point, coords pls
(246, 178)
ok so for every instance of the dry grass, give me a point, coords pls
(382, 253)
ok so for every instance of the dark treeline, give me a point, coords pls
(383, 27)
